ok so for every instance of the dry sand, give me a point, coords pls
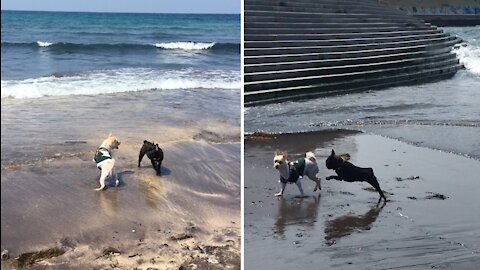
(430, 221)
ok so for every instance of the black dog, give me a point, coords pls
(154, 153)
(346, 171)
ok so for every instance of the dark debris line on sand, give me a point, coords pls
(30, 258)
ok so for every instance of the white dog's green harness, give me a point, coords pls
(101, 155)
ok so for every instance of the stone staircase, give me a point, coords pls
(296, 49)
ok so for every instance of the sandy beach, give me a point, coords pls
(187, 218)
(430, 221)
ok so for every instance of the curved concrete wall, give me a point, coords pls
(305, 48)
(442, 12)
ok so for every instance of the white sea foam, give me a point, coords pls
(469, 56)
(185, 45)
(123, 80)
(44, 43)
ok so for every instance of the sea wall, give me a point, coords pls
(442, 12)
(296, 49)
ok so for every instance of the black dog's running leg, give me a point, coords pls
(140, 157)
(376, 185)
(156, 166)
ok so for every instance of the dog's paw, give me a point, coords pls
(278, 194)
(117, 182)
(100, 188)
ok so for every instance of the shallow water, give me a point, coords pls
(48, 174)
(449, 109)
(342, 226)
(36, 128)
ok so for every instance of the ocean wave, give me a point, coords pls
(185, 45)
(395, 122)
(122, 80)
(44, 43)
(72, 47)
(469, 56)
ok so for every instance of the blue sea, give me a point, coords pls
(76, 76)
(77, 53)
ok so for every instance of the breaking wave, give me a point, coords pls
(121, 80)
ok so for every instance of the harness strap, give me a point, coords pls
(100, 155)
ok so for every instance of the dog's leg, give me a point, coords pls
(373, 181)
(299, 185)
(282, 190)
(103, 175)
(140, 156)
(115, 176)
(319, 184)
(315, 179)
(155, 167)
(336, 177)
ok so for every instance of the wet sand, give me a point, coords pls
(188, 217)
(430, 222)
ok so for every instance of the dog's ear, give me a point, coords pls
(110, 134)
(145, 141)
(333, 153)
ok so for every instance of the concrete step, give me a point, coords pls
(334, 63)
(342, 48)
(311, 69)
(351, 29)
(331, 24)
(330, 17)
(342, 77)
(342, 41)
(326, 9)
(297, 49)
(373, 34)
(341, 3)
(340, 6)
(313, 91)
(319, 14)
(433, 48)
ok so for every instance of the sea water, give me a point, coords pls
(77, 53)
(75, 76)
(443, 115)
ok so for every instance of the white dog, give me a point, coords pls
(105, 162)
(292, 172)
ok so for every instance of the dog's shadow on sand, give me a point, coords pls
(301, 211)
(121, 178)
(165, 171)
(347, 224)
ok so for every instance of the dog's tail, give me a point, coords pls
(310, 156)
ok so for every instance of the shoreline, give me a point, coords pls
(461, 139)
